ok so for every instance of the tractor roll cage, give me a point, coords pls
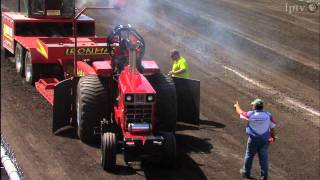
(139, 44)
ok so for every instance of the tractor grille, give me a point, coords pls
(138, 113)
(139, 98)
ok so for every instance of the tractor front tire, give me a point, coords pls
(31, 71)
(166, 102)
(20, 53)
(108, 151)
(92, 103)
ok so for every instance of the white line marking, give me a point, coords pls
(302, 106)
(246, 78)
(282, 98)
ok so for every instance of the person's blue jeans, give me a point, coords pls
(253, 147)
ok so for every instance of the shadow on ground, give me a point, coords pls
(185, 167)
(202, 124)
(212, 124)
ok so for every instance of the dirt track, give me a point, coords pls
(238, 49)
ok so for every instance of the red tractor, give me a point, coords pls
(100, 85)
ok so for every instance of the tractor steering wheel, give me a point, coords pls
(118, 38)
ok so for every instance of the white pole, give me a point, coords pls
(9, 166)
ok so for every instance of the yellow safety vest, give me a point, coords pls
(180, 64)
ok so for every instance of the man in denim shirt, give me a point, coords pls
(260, 129)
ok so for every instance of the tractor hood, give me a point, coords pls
(134, 83)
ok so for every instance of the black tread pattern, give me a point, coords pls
(109, 150)
(166, 102)
(93, 105)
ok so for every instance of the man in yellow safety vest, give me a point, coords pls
(179, 66)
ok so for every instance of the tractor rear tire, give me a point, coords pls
(31, 70)
(170, 149)
(92, 104)
(108, 151)
(166, 102)
(20, 53)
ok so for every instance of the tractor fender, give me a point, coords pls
(64, 102)
(188, 95)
